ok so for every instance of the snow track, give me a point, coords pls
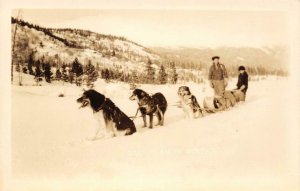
(244, 148)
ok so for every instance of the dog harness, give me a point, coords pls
(102, 105)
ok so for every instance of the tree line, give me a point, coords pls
(80, 74)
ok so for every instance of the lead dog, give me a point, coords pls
(189, 103)
(150, 105)
(116, 122)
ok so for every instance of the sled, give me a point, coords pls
(209, 104)
(230, 99)
(213, 104)
(239, 96)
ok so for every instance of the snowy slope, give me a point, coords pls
(87, 46)
(245, 148)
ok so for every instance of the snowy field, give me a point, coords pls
(244, 148)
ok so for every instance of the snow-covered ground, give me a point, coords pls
(244, 148)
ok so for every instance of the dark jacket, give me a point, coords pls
(217, 72)
(243, 80)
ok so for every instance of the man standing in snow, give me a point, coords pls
(218, 79)
(242, 84)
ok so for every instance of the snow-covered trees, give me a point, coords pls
(77, 69)
(105, 74)
(64, 74)
(150, 72)
(173, 73)
(38, 74)
(30, 64)
(91, 73)
(48, 73)
(24, 70)
(162, 75)
(58, 74)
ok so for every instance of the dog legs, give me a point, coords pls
(198, 113)
(110, 129)
(143, 112)
(189, 113)
(101, 127)
(96, 134)
(145, 120)
(151, 121)
(160, 117)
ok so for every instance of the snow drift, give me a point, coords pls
(244, 148)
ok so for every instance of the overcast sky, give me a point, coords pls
(172, 27)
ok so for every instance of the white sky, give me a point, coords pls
(172, 27)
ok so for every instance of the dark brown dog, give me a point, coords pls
(150, 105)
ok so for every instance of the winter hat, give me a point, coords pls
(242, 68)
(215, 57)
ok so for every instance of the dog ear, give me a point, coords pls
(83, 90)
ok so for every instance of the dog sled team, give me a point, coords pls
(117, 122)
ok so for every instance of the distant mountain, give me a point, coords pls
(269, 58)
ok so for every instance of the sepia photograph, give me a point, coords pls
(148, 96)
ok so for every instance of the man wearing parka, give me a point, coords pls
(218, 80)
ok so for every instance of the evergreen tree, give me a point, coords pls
(38, 74)
(30, 64)
(106, 74)
(71, 77)
(163, 77)
(42, 62)
(91, 73)
(77, 69)
(64, 75)
(173, 73)
(58, 74)
(43, 65)
(150, 72)
(48, 73)
(24, 70)
(37, 63)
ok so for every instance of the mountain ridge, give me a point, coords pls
(63, 45)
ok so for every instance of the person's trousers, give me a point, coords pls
(219, 89)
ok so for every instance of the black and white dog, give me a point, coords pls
(115, 121)
(189, 103)
(150, 105)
